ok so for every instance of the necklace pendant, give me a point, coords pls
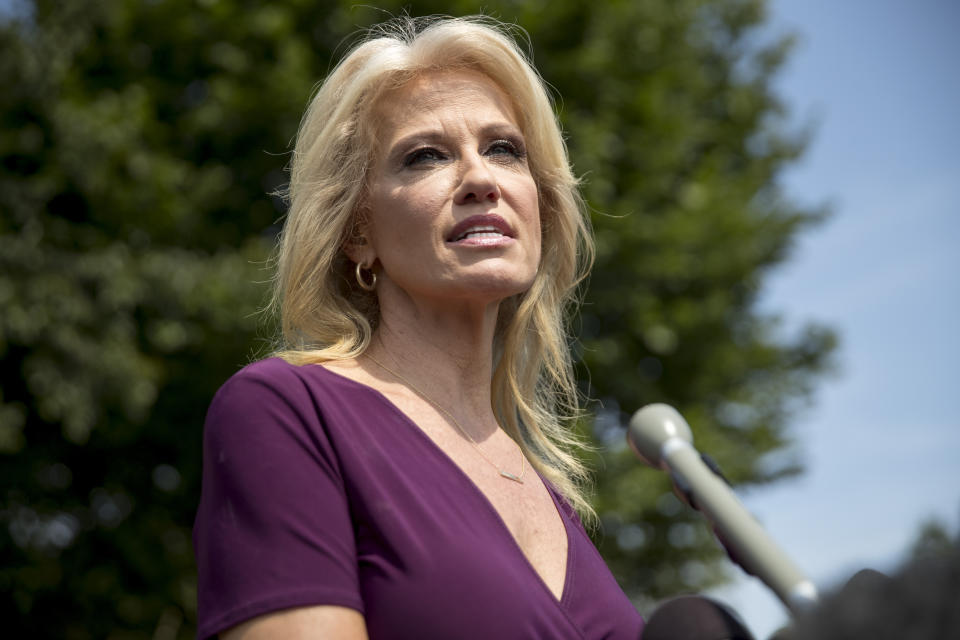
(510, 476)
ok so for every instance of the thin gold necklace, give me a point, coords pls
(456, 423)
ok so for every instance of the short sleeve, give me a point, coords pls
(273, 528)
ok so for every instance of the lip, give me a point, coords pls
(484, 220)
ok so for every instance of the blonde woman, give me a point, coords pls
(403, 467)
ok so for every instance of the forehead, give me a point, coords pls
(430, 98)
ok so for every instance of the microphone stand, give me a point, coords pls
(661, 438)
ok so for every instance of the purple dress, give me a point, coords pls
(318, 490)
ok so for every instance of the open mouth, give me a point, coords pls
(481, 227)
(479, 232)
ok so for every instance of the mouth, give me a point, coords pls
(482, 227)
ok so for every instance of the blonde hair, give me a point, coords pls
(325, 316)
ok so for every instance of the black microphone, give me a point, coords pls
(662, 438)
(694, 618)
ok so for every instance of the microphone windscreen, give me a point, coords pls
(694, 618)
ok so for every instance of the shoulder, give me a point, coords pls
(271, 413)
(271, 372)
(261, 393)
(273, 393)
(278, 378)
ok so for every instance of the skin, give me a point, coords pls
(450, 147)
(302, 623)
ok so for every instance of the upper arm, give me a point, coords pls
(303, 623)
(273, 530)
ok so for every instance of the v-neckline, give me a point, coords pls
(501, 523)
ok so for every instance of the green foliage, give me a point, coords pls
(934, 541)
(683, 142)
(139, 143)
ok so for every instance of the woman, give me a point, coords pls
(403, 468)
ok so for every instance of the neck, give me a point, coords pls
(447, 354)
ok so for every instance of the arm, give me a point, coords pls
(273, 536)
(302, 623)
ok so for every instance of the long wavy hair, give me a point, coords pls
(325, 316)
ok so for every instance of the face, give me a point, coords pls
(452, 209)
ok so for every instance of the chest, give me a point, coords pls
(439, 550)
(445, 547)
(526, 508)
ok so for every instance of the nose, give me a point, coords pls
(477, 183)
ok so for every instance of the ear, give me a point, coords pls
(358, 249)
(357, 245)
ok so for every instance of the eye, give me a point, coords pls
(423, 155)
(510, 148)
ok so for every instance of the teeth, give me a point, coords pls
(480, 232)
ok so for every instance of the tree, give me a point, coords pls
(684, 141)
(933, 541)
(134, 210)
(139, 143)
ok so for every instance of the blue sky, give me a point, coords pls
(882, 441)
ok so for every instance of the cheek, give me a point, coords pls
(536, 220)
(404, 214)
(528, 205)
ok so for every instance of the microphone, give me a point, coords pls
(694, 618)
(661, 438)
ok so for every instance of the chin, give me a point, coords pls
(496, 288)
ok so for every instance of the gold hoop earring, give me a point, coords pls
(366, 286)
